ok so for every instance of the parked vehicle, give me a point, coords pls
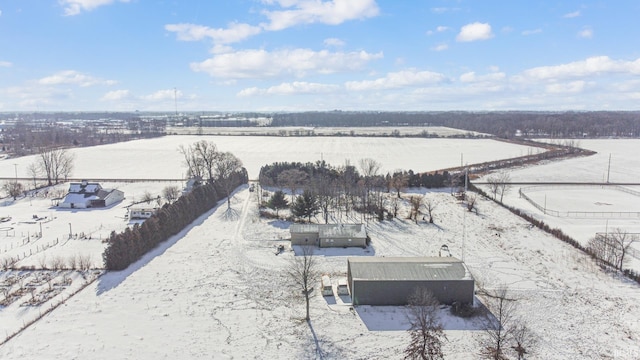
(343, 289)
(327, 288)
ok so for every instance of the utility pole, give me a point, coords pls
(175, 100)
(16, 167)
(609, 168)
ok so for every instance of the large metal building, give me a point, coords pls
(391, 280)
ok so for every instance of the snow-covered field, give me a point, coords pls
(216, 290)
(160, 158)
(616, 160)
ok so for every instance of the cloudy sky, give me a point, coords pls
(287, 55)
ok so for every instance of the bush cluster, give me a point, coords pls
(131, 244)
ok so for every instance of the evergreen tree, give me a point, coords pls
(306, 205)
(278, 201)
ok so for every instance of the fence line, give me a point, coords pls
(580, 214)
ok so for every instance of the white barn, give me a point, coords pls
(84, 195)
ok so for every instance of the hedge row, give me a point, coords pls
(130, 245)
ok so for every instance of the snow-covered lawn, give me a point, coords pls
(216, 290)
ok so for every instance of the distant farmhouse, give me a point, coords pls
(329, 235)
(391, 280)
(90, 195)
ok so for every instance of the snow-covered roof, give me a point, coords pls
(84, 188)
(408, 268)
(331, 230)
(342, 231)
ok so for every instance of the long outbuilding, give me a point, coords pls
(392, 280)
(329, 235)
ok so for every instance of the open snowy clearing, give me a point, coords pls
(216, 290)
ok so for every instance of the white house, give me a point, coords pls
(90, 195)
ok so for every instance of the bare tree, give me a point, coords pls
(523, 339)
(612, 248)
(494, 185)
(325, 193)
(499, 322)
(369, 168)
(293, 179)
(399, 181)
(170, 193)
(226, 164)
(147, 197)
(13, 188)
(471, 203)
(54, 164)
(193, 162)
(303, 273)
(504, 185)
(84, 262)
(416, 203)
(425, 330)
(430, 206)
(208, 154)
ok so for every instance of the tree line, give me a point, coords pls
(327, 189)
(130, 245)
(506, 124)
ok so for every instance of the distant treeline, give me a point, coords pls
(130, 245)
(506, 124)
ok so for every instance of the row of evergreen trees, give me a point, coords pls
(131, 244)
(272, 175)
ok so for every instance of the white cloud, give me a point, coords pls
(334, 42)
(474, 32)
(5, 64)
(74, 78)
(163, 95)
(331, 12)
(532, 32)
(292, 88)
(442, 10)
(572, 87)
(296, 62)
(235, 32)
(592, 66)
(471, 77)
(438, 29)
(572, 14)
(75, 7)
(396, 80)
(116, 95)
(585, 33)
(440, 47)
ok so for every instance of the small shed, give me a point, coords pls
(329, 235)
(391, 280)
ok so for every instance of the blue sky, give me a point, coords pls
(298, 55)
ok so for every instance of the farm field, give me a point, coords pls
(216, 290)
(161, 158)
(624, 167)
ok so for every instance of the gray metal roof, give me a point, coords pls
(408, 268)
(331, 230)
